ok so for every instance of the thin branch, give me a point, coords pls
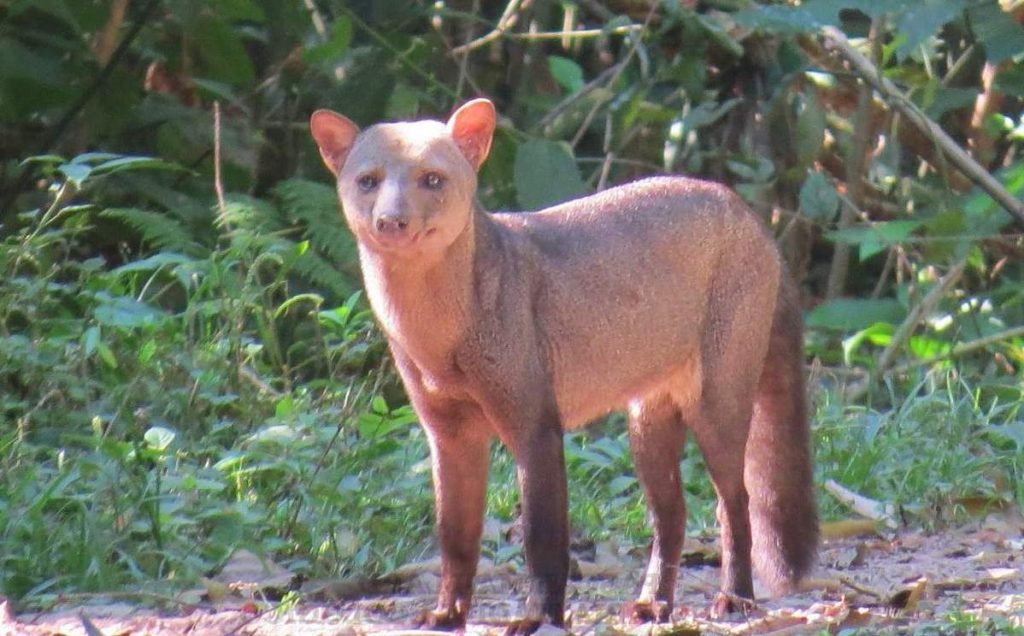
(58, 130)
(401, 56)
(917, 315)
(103, 44)
(319, 24)
(963, 349)
(855, 163)
(902, 334)
(835, 39)
(101, 78)
(619, 69)
(218, 183)
(588, 88)
(505, 22)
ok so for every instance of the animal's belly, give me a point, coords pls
(587, 392)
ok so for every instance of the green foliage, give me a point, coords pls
(187, 366)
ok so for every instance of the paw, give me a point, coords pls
(448, 620)
(526, 626)
(726, 604)
(639, 612)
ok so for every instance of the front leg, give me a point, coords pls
(459, 437)
(540, 463)
(459, 457)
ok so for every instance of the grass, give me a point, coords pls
(159, 414)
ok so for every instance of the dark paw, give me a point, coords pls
(526, 626)
(647, 612)
(523, 627)
(726, 604)
(449, 620)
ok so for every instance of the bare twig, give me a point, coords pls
(918, 314)
(963, 349)
(58, 130)
(855, 162)
(835, 39)
(869, 508)
(218, 184)
(637, 37)
(505, 22)
(589, 87)
(906, 329)
(103, 44)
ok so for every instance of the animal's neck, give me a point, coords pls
(426, 304)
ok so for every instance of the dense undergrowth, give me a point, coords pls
(183, 376)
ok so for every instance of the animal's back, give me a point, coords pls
(625, 276)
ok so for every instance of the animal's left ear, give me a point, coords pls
(472, 128)
(334, 134)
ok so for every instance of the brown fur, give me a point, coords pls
(665, 296)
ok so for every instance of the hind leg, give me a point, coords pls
(722, 438)
(656, 438)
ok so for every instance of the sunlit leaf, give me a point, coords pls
(545, 174)
(847, 314)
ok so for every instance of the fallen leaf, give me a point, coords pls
(245, 569)
(846, 528)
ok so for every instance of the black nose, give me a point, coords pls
(393, 225)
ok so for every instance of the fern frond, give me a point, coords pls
(157, 229)
(323, 275)
(243, 212)
(315, 207)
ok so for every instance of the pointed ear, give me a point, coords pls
(334, 134)
(472, 128)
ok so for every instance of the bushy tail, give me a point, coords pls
(778, 474)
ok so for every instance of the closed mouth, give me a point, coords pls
(401, 241)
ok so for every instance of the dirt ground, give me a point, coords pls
(944, 582)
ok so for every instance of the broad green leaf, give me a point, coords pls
(159, 438)
(157, 261)
(121, 164)
(126, 312)
(878, 334)
(90, 340)
(285, 407)
(923, 19)
(546, 174)
(76, 173)
(848, 314)
(1011, 80)
(718, 32)
(621, 484)
(241, 10)
(876, 237)
(223, 54)
(779, 19)
(810, 129)
(147, 351)
(54, 8)
(707, 113)
(944, 100)
(106, 354)
(752, 169)
(566, 72)
(818, 198)
(925, 347)
(1013, 431)
(335, 47)
(1000, 34)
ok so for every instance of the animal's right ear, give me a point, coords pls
(334, 135)
(472, 128)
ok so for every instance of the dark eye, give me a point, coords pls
(368, 182)
(432, 181)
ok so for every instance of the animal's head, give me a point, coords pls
(407, 188)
